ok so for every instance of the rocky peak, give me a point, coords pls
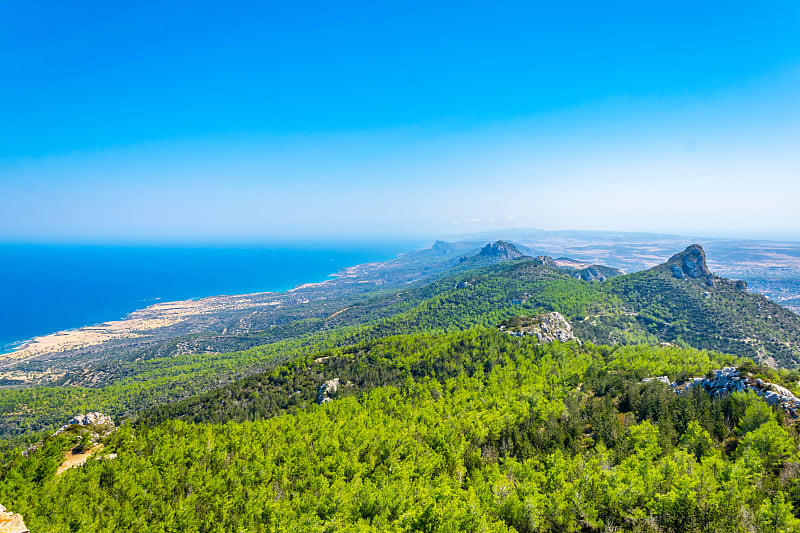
(544, 260)
(500, 250)
(444, 247)
(690, 263)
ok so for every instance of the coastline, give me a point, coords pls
(104, 287)
(141, 323)
(136, 325)
(12, 347)
(52, 354)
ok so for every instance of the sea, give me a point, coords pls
(49, 288)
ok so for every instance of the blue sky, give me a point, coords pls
(210, 121)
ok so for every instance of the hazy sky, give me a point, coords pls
(153, 121)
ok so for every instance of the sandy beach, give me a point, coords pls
(139, 324)
(183, 315)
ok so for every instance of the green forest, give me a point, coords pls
(466, 431)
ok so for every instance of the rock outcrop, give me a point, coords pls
(545, 260)
(591, 273)
(662, 379)
(547, 327)
(102, 424)
(729, 379)
(92, 419)
(690, 263)
(501, 250)
(597, 273)
(327, 390)
(11, 522)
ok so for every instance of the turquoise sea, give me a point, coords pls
(45, 288)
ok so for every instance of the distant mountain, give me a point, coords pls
(682, 300)
(450, 248)
(489, 254)
(500, 250)
(771, 268)
(679, 301)
(690, 263)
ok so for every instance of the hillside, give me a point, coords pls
(694, 308)
(220, 324)
(232, 323)
(682, 301)
(467, 431)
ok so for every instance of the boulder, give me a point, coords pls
(326, 390)
(11, 522)
(92, 419)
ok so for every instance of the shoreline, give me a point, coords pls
(138, 323)
(12, 347)
(306, 269)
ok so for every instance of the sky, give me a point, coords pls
(235, 121)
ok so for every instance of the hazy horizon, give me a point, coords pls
(399, 243)
(220, 123)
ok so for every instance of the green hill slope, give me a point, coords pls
(480, 432)
(657, 305)
(681, 301)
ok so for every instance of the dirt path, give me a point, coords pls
(339, 312)
(76, 459)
